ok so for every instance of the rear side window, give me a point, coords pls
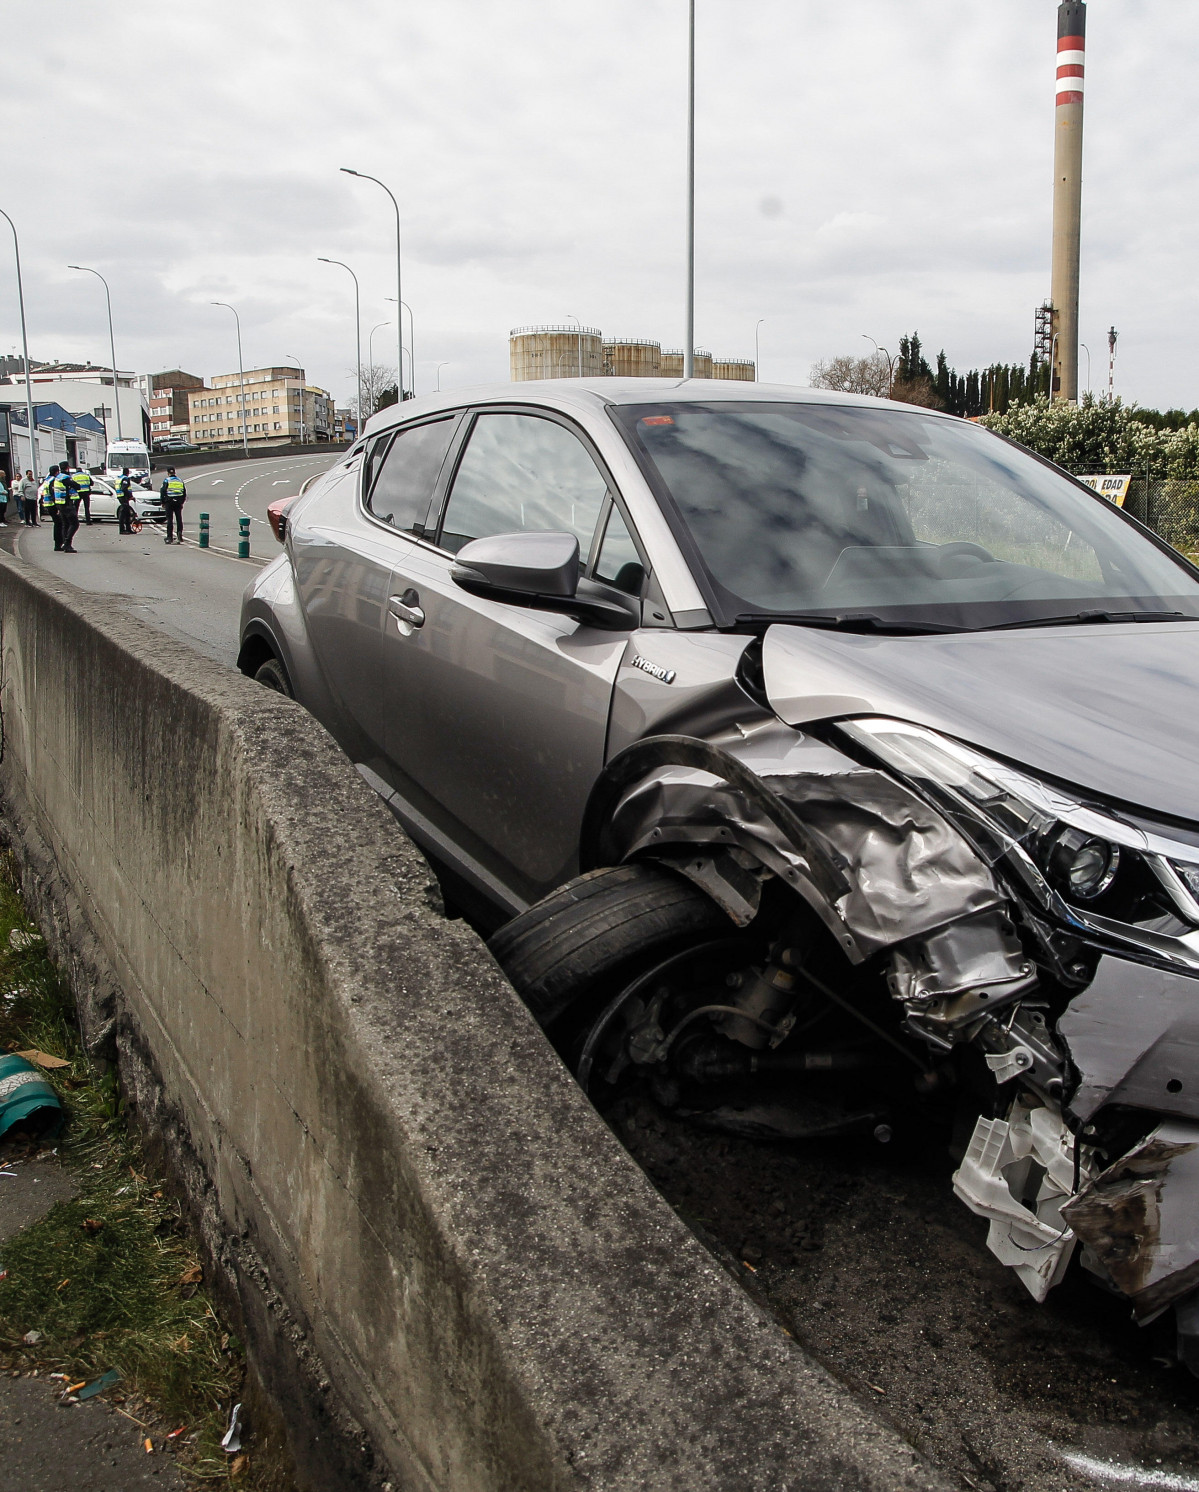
(404, 472)
(521, 473)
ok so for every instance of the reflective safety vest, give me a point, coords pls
(63, 488)
(83, 482)
(45, 489)
(125, 489)
(174, 487)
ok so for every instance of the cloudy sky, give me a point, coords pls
(878, 166)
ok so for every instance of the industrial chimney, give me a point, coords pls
(1067, 195)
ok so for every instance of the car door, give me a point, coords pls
(499, 712)
(343, 567)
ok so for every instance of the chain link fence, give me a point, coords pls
(1169, 508)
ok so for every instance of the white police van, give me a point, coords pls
(128, 453)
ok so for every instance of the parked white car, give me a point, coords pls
(147, 505)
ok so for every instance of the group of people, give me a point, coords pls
(23, 495)
(66, 489)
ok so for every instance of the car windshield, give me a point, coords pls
(830, 509)
(132, 459)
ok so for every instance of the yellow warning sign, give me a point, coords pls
(1115, 489)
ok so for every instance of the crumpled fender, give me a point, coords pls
(875, 862)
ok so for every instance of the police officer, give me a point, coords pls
(45, 497)
(125, 502)
(66, 510)
(83, 488)
(174, 495)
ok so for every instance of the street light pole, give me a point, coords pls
(33, 456)
(358, 336)
(882, 352)
(112, 346)
(300, 371)
(241, 377)
(411, 334)
(579, 324)
(1087, 350)
(689, 344)
(757, 360)
(440, 366)
(399, 287)
(370, 359)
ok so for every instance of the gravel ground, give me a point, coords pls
(870, 1261)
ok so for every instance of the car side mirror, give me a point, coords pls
(527, 564)
(540, 571)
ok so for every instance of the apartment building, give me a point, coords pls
(169, 413)
(280, 408)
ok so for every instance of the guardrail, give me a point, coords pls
(447, 1271)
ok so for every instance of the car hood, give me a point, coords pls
(1109, 708)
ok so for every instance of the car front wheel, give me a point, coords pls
(272, 675)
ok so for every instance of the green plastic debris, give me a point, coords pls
(27, 1099)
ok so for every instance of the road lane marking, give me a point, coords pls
(1130, 1476)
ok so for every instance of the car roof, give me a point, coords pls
(591, 394)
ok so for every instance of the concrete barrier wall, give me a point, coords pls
(449, 1272)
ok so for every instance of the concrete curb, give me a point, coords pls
(450, 1273)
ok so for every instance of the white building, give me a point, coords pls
(82, 389)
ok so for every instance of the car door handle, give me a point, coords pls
(405, 609)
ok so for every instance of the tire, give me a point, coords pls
(272, 675)
(571, 949)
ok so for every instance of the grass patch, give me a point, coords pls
(110, 1279)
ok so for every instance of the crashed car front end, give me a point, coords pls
(1054, 940)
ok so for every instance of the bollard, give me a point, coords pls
(203, 530)
(243, 539)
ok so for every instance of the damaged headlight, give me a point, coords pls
(1085, 865)
(1081, 865)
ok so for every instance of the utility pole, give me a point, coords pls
(241, 378)
(689, 344)
(300, 371)
(1067, 195)
(33, 452)
(112, 346)
(349, 171)
(358, 333)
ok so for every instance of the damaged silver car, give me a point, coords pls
(824, 765)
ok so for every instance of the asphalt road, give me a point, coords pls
(243, 489)
(192, 594)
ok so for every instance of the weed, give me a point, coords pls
(110, 1278)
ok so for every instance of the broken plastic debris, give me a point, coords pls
(231, 1440)
(43, 1059)
(32, 1338)
(26, 1098)
(19, 939)
(98, 1385)
(1018, 1173)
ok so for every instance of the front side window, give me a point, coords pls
(910, 517)
(618, 561)
(523, 473)
(402, 471)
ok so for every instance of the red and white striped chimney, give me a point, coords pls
(1067, 194)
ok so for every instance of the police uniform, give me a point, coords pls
(125, 504)
(62, 508)
(83, 489)
(174, 495)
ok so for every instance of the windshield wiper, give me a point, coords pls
(842, 621)
(1078, 618)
